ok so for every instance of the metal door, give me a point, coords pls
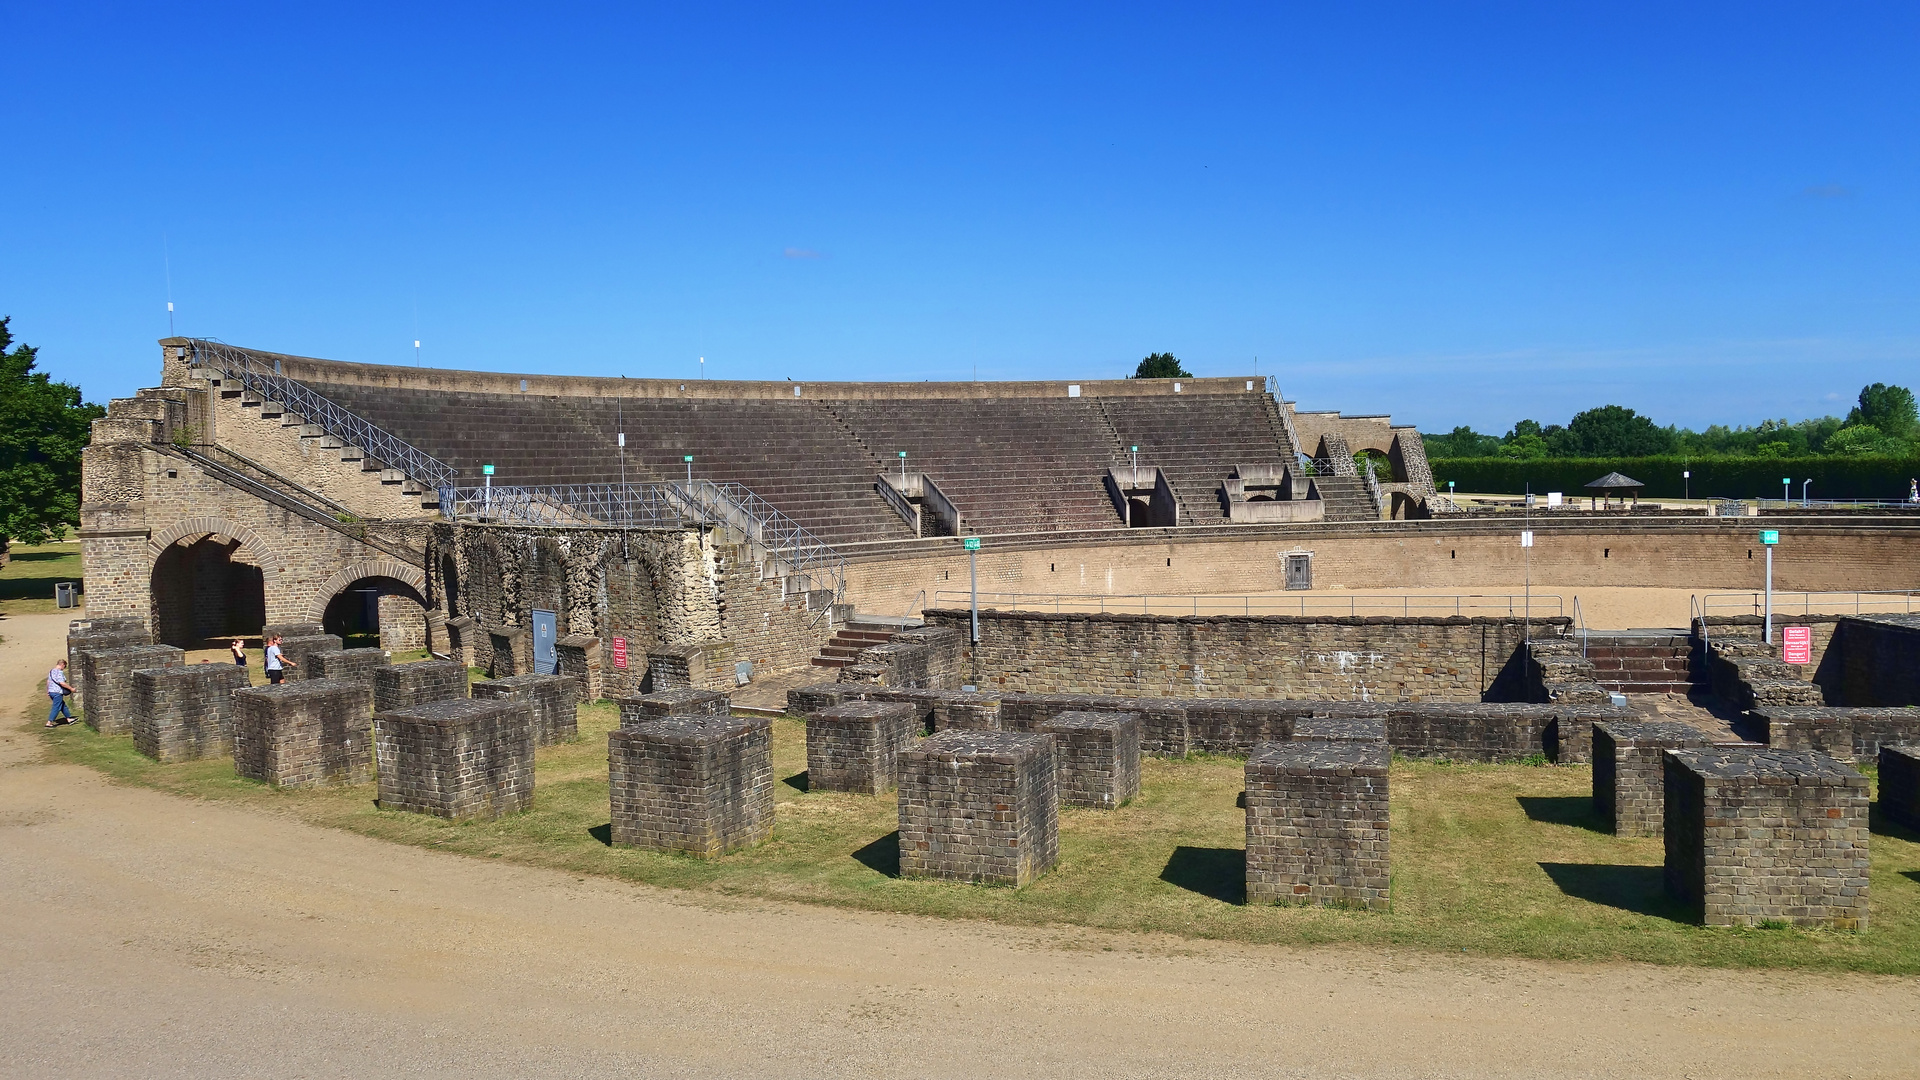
(545, 625)
(1299, 572)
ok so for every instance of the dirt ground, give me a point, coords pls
(150, 935)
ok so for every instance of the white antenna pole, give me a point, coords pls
(166, 260)
(416, 352)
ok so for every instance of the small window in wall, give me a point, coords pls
(796, 391)
(1073, 389)
(1299, 570)
(523, 386)
(1453, 553)
(1606, 553)
(1176, 388)
(1249, 384)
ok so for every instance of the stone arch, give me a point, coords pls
(365, 568)
(263, 556)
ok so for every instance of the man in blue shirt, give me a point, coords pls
(57, 689)
(277, 663)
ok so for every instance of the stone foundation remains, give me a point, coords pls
(980, 807)
(555, 700)
(456, 758)
(957, 711)
(301, 650)
(1317, 824)
(1096, 757)
(856, 746)
(684, 702)
(702, 785)
(402, 686)
(1759, 835)
(102, 634)
(105, 682)
(354, 665)
(185, 713)
(1900, 784)
(307, 734)
(1370, 729)
(1842, 731)
(1629, 771)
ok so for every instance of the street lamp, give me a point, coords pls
(1803, 492)
(1686, 484)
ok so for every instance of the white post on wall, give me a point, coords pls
(1768, 538)
(903, 472)
(689, 460)
(486, 499)
(973, 584)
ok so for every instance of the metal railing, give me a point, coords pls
(259, 376)
(1837, 504)
(900, 504)
(1313, 466)
(1406, 605)
(736, 507)
(1286, 418)
(619, 505)
(1580, 625)
(1373, 488)
(1810, 603)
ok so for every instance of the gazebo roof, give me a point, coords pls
(1615, 481)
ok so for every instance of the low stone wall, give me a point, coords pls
(979, 807)
(353, 665)
(305, 734)
(1759, 835)
(683, 702)
(1340, 729)
(1317, 824)
(555, 700)
(105, 682)
(924, 658)
(961, 711)
(1096, 756)
(1900, 784)
(509, 652)
(1848, 733)
(699, 665)
(185, 712)
(702, 785)
(103, 634)
(301, 651)
(856, 746)
(579, 658)
(1629, 771)
(1879, 661)
(456, 758)
(1276, 657)
(1750, 675)
(1557, 673)
(401, 686)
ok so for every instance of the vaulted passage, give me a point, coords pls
(206, 589)
(378, 612)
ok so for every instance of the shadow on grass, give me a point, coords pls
(1911, 875)
(1571, 810)
(1216, 873)
(602, 833)
(882, 856)
(798, 781)
(1639, 889)
(1880, 823)
(1240, 800)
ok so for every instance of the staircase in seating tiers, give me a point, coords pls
(1642, 662)
(1346, 498)
(848, 642)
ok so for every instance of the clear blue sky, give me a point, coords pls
(1458, 214)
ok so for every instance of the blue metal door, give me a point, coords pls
(545, 625)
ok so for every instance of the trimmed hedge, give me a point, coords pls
(1729, 478)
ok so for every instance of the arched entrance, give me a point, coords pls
(206, 588)
(377, 612)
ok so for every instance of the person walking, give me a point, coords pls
(240, 652)
(277, 663)
(57, 689)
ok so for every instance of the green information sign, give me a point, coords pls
(1769, 536)
(487, 469)
(973, 543)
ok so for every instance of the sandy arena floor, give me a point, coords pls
(147, 935)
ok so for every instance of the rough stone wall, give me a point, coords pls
(1558, 673)
(1758, 835)
(302, 650)
(1900, 784)
(353, 665)
(686, 701)
(702, 785)
(554, 699)
(456, 759)
(960, 711)
(1855, 733)
(101, 634)
(185, 713)
(401, 686)
(1880, 661)
(579, 659)
(980, 807)
(1340, 729)
(856, 746)
(1096, 756)
(105, 682)
(306, 734)
(510, 650)
(1750, 675)
(927, 657)
(1317, 824)
(1282, 657)
(1629, 771)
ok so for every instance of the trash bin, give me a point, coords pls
(66, 594)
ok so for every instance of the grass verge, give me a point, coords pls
(26, 582)
(1497, 860)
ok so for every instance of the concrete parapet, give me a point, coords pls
(401, 686)
(1096, 756)
(185, 712)
(555, 700)
(980, 807)
(856, 746)
(1629, 771)
(456, 758)
(701, 785)
(1317, 824)
(105, 682)
(304, 734)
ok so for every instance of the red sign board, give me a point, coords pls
(1798, 642)
(619, 652)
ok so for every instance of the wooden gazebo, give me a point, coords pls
(1604, 488)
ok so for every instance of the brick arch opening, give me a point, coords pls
(205, 589)
(374, 602)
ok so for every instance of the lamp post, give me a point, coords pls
(689, 460)
(972, 544)
(1768, 538)
(1686, 485)
(1803, 492)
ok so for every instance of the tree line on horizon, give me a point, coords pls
(1883, 423)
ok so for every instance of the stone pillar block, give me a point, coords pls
(806, 700)
(555, 700)
(302, 650)
(463, 633)
(510, 652)
(1317, 824)
(683, 702)
(354, 665)
(456, 758)
(1096, 756)
(1368, 729)
(1756, 835)
(980, 807)
(702, 785)
(306, 734)
(1900, 783)
(103, 634)
(856, 746)
(400, 686)
(579, 659)
(105, 682)
(292, 630)
(185, 712)
(955, 711)
(1629, 771)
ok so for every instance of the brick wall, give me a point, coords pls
(1317, 824)
(106, 683)
(702, 785)
(980, 807)
(185, 712)
(1880, 662)
(555, 700)
(354, 665)
(1842, 732)
(401, 686)
(1629, 771)
(1900, 784)
(304, 734)
(856, 746)
(456, 759)
(1096, 756)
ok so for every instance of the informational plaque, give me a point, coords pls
(1797, 645)
(620, 652)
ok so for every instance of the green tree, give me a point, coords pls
(1527, 445)
(1161, 365)
(1612, 431)
(43, 427)
(1860, 440)
(1889, 409)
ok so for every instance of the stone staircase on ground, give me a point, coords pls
(1346, 498)
(1642, 662)
(850, 640)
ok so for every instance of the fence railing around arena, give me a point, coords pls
(1351, 605)
(1810, 603)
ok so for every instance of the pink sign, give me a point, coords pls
(1798, 644)
(619, 652)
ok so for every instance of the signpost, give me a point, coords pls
(972, 544)
(689, 460)
(1768, 538)
(1797, 644)
(1786, 489)
(486, 499)
(1526, 541)
(1686, 484)
(903, 472)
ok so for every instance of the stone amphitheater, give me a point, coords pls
(1152, 566)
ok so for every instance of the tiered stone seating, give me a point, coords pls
(1196, 440)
